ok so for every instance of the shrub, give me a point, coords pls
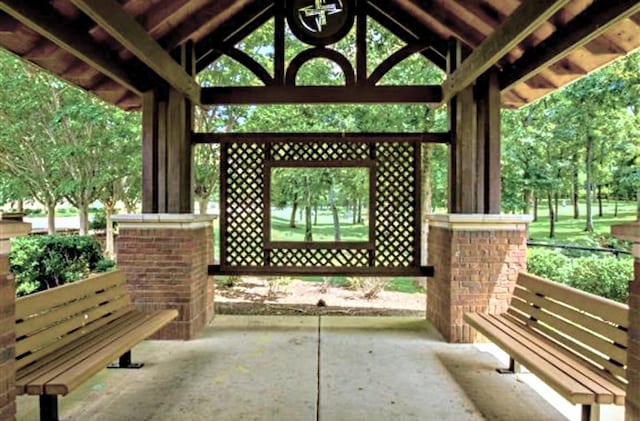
(370, 286)
(99, 221)
(47, 261)
(603, 275)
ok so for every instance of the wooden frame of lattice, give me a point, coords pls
(394, 205)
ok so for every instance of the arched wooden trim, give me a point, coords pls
(394, 59)
(319, 52)
(248, 62)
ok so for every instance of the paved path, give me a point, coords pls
(306, 368)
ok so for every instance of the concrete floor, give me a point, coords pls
(307, 368)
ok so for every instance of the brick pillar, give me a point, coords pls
(631, 232)
(476, 259)
(165, 258)
(8, 229)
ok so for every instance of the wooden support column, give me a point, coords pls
(166, 132)
(474, 155)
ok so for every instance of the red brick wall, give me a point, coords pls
(475, 271)
(7, 342)
(633, 371)
(210, 281)
(167, 268)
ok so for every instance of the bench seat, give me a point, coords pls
(66, 335)
(573, 341)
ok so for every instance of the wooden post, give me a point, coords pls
(166, 132)
(474, 154)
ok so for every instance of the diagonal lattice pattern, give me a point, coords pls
(395, 206)
(319, 151)
(244, 207)
(319, 258)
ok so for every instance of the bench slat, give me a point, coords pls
(76, 326)
(81, 372)
(601, 327)
(554, 337)
(587, 339)
(53, 317)
(569, 388)
(606, 309)
(45, 363)
(44, 300)
(607, 389)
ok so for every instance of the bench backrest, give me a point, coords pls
(591, 327)
(48, 320)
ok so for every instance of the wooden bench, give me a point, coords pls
(574, 341)
(64, 336)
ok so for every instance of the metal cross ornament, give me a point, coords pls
(320, 22)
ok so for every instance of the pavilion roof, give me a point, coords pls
(118, 49)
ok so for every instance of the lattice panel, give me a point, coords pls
(319, 151)
(319, 258)
(244, 208)
(395, 208)
(395, 205)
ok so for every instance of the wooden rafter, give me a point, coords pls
(42, 21)
(124, 28)
(585, 27)
(520, 24)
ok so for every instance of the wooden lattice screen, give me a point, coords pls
(394, 223)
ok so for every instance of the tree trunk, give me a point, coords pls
(83, 215)
(427, 199)
(203, 203)
(294, 208)
(576, 196)
(555, 205)
(526, 199)
(315, 214)
(599, 196)
(552, 217)
(535, 208)
(20, 206)
(354, 213)
(308, 233)
(615, 206)
(334, 213)
(51, 218)
(588, 183)
(109, 247)
(359, 208)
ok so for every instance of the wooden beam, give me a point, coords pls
(591, 23)
(520, 24)
(80, 45)
(109, 15)
(206, 138)
(425, 94)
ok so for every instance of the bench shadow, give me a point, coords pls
(496, 396)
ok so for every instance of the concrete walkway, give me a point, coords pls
(309, 368)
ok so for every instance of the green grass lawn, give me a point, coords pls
(280, 231)
(569, 230)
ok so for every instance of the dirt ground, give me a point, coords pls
(253, 296)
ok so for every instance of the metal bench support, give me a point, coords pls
(125, 362)
(48, 407)
(591, 412)
(514, 367)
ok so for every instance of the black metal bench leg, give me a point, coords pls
(591, 412)
(48, 407)
(514, 367)
(125, 362)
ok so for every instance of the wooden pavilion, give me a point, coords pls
(145, 55)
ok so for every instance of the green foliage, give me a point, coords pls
(604, 276)
(47, 261)
(99, 221)
(104, 265)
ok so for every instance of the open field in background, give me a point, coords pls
(571, 231)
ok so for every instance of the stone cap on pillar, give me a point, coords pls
(628, 232)
(164, 220)
(480, 222)
(10, 229)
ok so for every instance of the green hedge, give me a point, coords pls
(606, 276)
(46, 261)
